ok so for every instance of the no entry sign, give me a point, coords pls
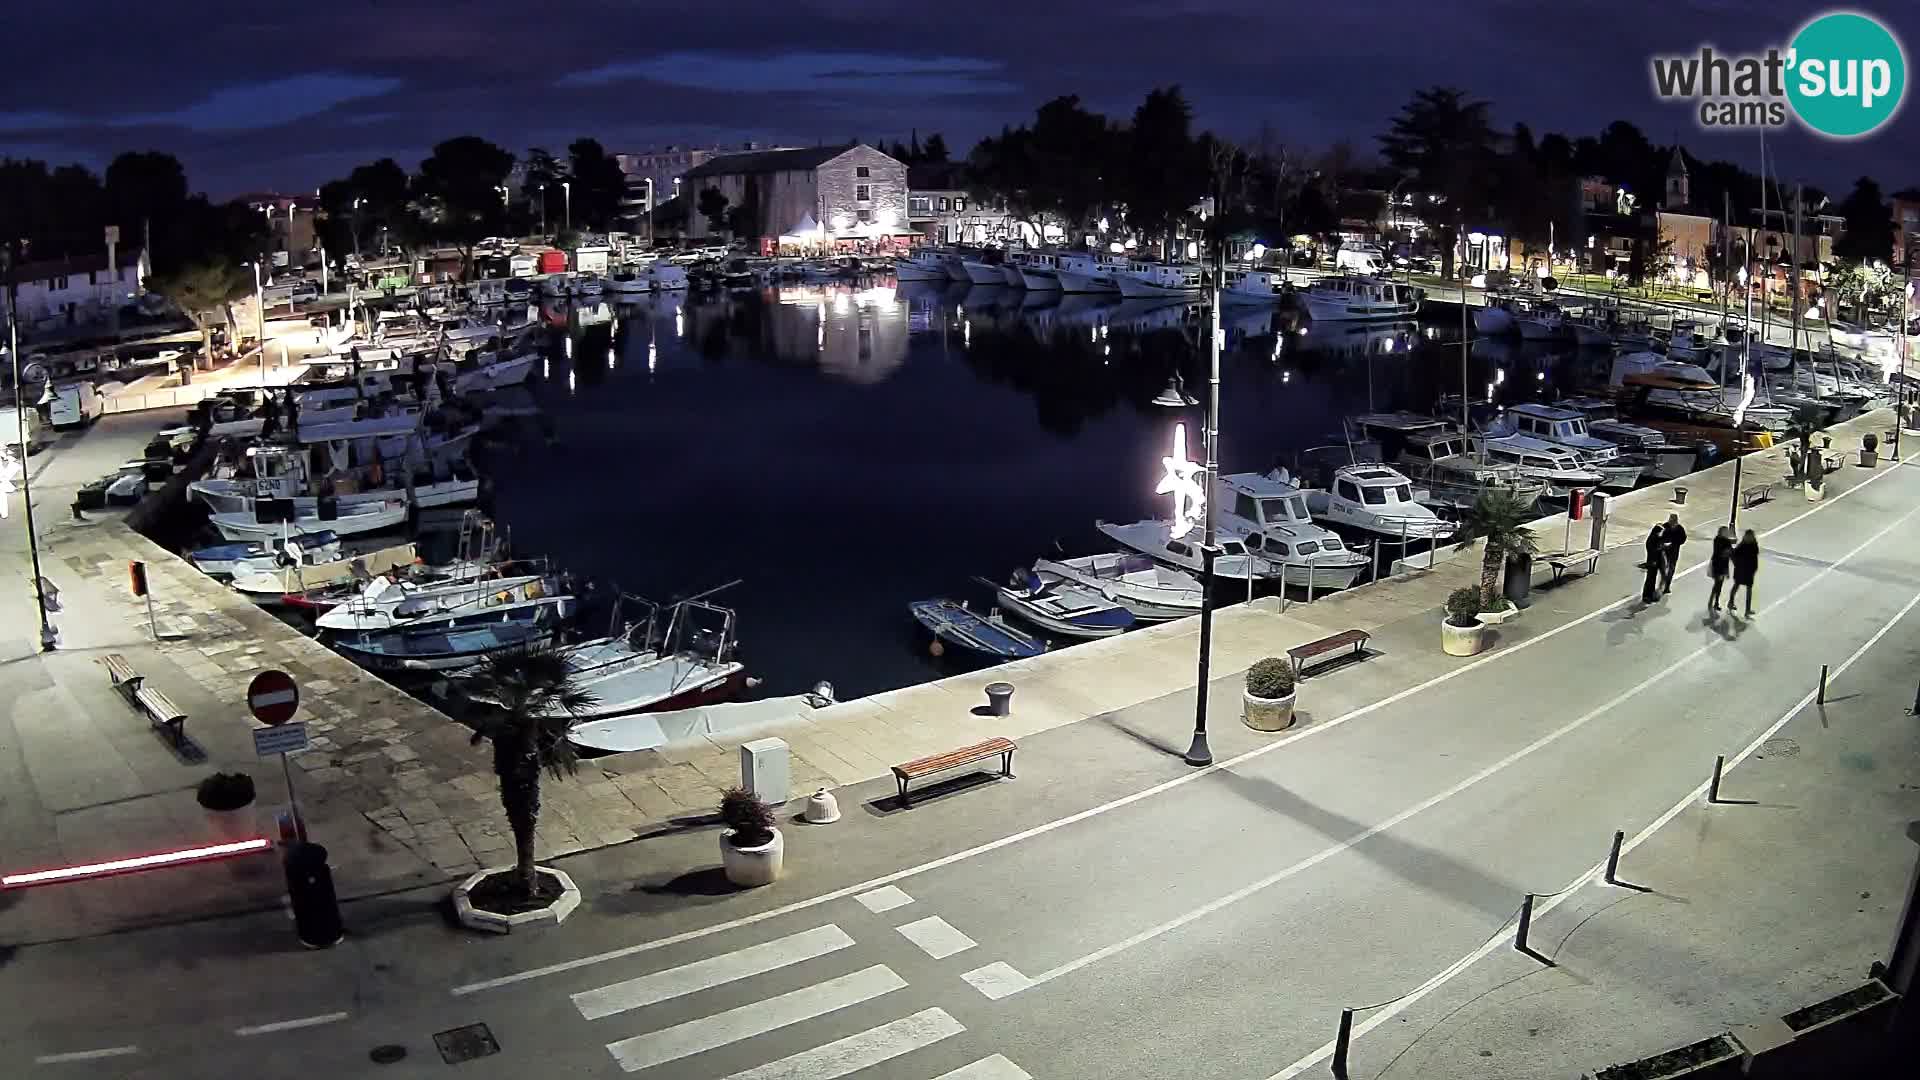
(273, 697)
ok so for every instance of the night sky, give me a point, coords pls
(283, 96)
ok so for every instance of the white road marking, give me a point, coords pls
(1123, 801)
(713, 971)
(997, 980)
(86, 1055)
(1430, 802)
(937, 937)
(856, 1052)
(884, 899)
(289, 1025)
(711, 1032)
(996, 1067)
(1446, 974)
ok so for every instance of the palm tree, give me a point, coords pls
(1500, 519)
(536, 699)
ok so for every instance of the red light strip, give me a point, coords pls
(138, 862)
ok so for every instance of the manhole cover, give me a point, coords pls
(465, 1043)
(387, 1054)
(1778, 748)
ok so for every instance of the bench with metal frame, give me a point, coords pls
(953, 759)
(1564, 562)
(1754, 495)
(1301, 654)
(160, 709)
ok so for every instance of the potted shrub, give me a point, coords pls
(1461, 632)
(228, 801)
(1869, 450)
(751, 848)
(1268, 695)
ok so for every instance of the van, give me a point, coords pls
(74, 405)
(1360, 259)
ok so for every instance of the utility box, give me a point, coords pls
(1598, 504)
(765, 771)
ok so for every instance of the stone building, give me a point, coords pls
(844, 198)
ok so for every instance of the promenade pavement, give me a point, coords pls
(1115, 912)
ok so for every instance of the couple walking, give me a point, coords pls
(1740, 560)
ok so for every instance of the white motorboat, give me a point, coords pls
(1145, 280)
(1089, 273)
(735, 720)
(1253, 287)
(304, 549)
(276, 585)
(1152, 592)
(1062, 607)
(1686, 390)
(921, 264)
(389, 601)
(630, 281)
(1565, 427)
(1155, 540)
(350, 521)
(980, 271)
(1270, 513)
(1556, 466)
(479, 372)
(1494, 317)
(666, 276)
(1377, 499)
(1347, 297)
(1010, 275)
(1666, 459)
(1542, 321)
(636, 670)
(1434, 455)
(277, 472)
(1039, 270)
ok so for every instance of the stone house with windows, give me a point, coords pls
(75, 290)
(844, 198)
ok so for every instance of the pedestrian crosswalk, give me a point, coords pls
(841, 993)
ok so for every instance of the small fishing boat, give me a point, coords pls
(953, 623)
(280, 584)
(347, 521)
(629, 281)
(1153, 593)
(1377, 499)
(1155, 540)
(1062, 607)
(305, 549)
(387, 602)
(448, 647)
(1347, 296)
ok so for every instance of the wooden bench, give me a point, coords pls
(124, 678)
(1301, 654)
(1561, 562)
(163, 712)
(953, 759)
(1753, 496)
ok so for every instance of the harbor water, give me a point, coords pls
(842, 450)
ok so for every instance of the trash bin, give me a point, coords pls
(1518, 586)
(316, 910)
(1679, 495)
(1000, 698)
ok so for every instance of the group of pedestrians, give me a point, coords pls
(1730, 559)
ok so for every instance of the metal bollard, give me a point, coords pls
(1613, 858)
(1713, 789)
(1822, 698)
(1526, 923)
(1340, 1042)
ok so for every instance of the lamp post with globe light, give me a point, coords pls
(48, 639)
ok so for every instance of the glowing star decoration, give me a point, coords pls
(1182, 481)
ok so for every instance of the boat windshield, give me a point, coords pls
(1283, 509)
(1375, 496)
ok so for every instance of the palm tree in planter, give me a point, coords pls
(1499, 520)
(535, 699)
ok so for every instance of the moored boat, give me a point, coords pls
(1150, 591)
(987, 635)
(1062, 607)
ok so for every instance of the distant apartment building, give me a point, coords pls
(844, 198)
(76, 290)
(940, 210)
(292, 228)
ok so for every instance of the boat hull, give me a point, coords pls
(1076, 282)
(239, 527)
(1039, 280)
(1323, 309)
(444, 493)
(1492, 321)
(1088, 629)
(906, 270)
(981, 273)
(1137, 288)
(1010, 275)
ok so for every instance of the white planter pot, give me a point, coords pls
(1814, 494)
(1267, 714)
(1462, 640)
(1495, 618)
(749, 867)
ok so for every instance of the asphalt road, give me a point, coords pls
(1189, 924)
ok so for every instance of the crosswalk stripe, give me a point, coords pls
(936, 936)
(996, 1067)
(713, 971)
(710, 1032)
(885, 898)
(856, 1052)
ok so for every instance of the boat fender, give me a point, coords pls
(936, 648)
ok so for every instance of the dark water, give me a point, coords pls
(843, 450)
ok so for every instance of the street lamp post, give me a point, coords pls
(47, 638)
(356, 228)
(1199, 753)
(542, 189)
(260, 319)
(566, 191)
(649, 212)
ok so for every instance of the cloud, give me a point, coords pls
(32, 121)
(250, 106)
(872, 73)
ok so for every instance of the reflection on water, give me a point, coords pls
(846, 449)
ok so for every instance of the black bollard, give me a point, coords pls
(316, 911)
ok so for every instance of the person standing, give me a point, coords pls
(1672, 535)
(1745, 560)
(1656, 558)
(1721, 565)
